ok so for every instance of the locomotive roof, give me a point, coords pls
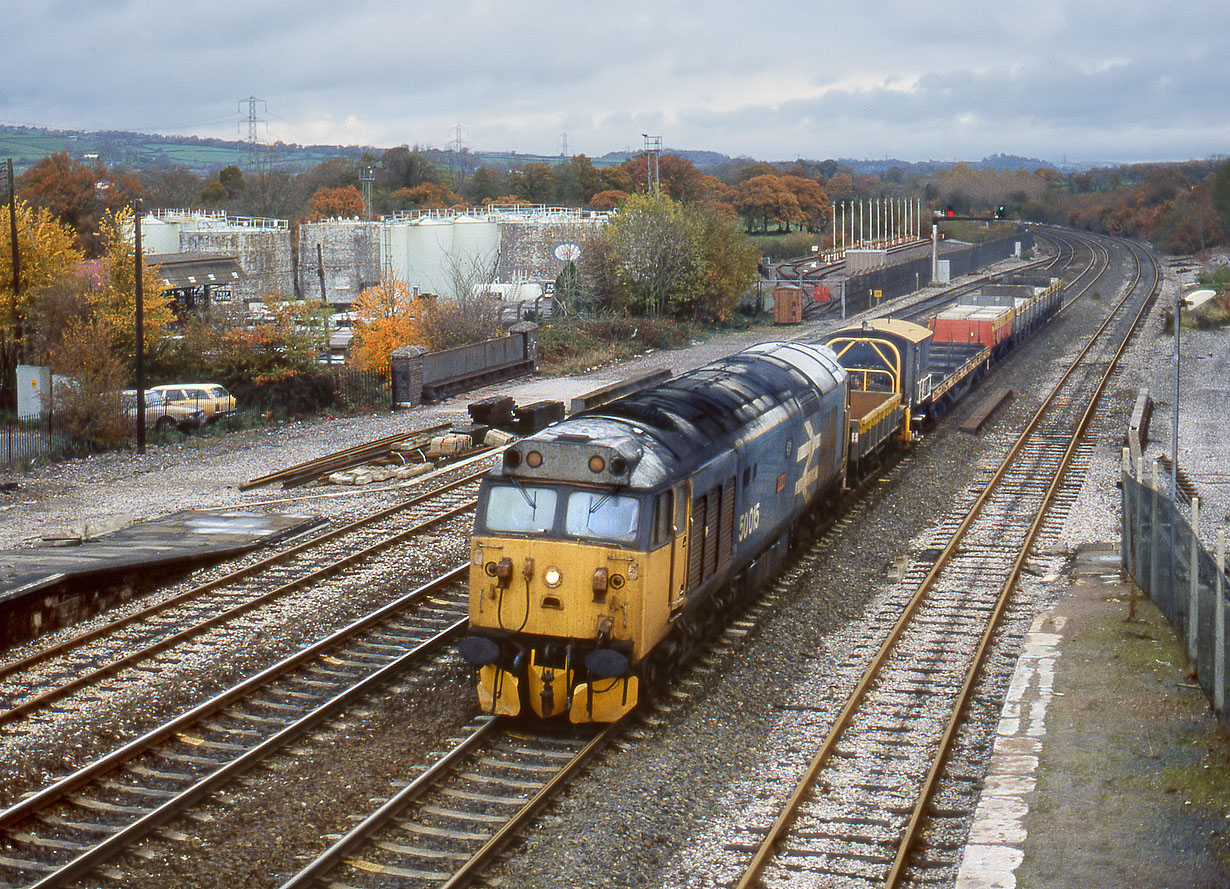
(645, 438)
(696, 410)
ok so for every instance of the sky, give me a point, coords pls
(1081, 81)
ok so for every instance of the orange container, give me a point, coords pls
(988, 325)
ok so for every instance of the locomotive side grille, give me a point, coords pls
(697, 542)
(726, 537)
(712, 532)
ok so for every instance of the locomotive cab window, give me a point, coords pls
(516, 508)
(609, 516)
(662, 519)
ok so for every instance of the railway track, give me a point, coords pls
(101, 662)
(856, 816)
(444, 827)
(74, 826)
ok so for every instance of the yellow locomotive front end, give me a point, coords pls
(570, 582)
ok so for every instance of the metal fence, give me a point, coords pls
(50, 438)
(23, 442)
(1164, 555)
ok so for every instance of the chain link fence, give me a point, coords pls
(1163, 554)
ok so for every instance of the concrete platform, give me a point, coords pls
(51, 586)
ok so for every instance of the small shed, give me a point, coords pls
(196, 279)
(787, 305)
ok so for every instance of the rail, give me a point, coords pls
(957, 547)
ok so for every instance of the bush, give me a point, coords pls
(790, 245)
(89, 406)
(578, 344)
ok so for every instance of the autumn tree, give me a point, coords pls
(340, 203)
(576, 182)
(428, 194)
(767, 199)
(483, 187)
(446, 323)
(534, 183)
(385, 319)
(725, 264)
(50, 259)
(91, 405)
(618, 179)
(403, 167)
(170, 186)
(651, 249)
(607, 200)
(677, 176)
(668, 258)
(79, 195)
(226, 188)
(283, 345)
(813, 202)
(112, 295)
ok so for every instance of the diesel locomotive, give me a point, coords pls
(605, 545)
(608, 542)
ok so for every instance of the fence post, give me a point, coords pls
(1155, 544)
(1219, 628)
(1125, 533)
(1138, 519)
(1193, 585)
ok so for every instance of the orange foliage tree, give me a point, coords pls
(344, 202)
(813, 202)
(677, 176)
(79, 195)
(112, 295)
(608, 199)
(386, 318)
(426, 195)
(767, 199)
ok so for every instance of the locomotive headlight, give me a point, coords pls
(478, 555)
(552, 577)
(596, 463)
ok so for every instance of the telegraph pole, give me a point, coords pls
(16, 317)
(139, 262)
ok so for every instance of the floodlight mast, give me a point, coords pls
(653, 149)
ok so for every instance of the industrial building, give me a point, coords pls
(261, 247)
(511, 251)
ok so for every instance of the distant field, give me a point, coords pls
(27, 145)
(204, 157)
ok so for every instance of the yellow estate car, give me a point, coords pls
(211, 398)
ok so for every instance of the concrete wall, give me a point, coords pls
(528, 249)
(351, 253)
(264, 256)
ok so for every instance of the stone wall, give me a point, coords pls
(528, 249)
(351, 253)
